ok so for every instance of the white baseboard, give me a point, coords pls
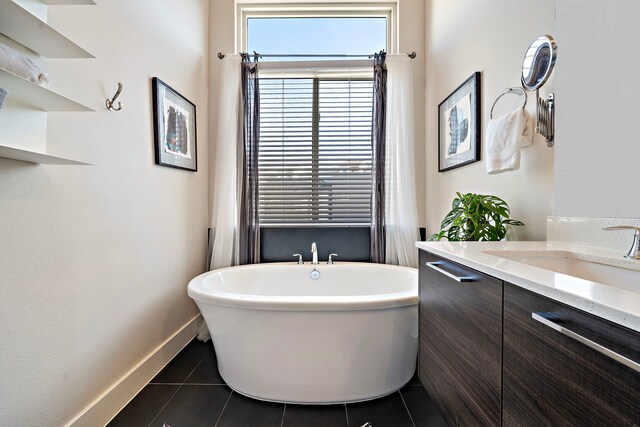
(108, 404)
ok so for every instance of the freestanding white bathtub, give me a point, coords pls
(281, 336)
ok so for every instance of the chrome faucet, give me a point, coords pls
(634, 252)
(314, 253)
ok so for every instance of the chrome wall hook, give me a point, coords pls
(110, 102)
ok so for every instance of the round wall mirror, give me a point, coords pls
(538, 62)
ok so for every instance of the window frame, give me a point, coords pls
(253, 9)
(315, 152)
(246, 9)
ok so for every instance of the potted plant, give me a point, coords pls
(476, 217)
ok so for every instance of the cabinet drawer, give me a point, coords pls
(556, 378)
(461, 341)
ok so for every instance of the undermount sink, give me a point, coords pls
(570, 264)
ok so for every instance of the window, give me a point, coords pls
(322, 35)
(315, 156)
(314, 164)
(308, 28)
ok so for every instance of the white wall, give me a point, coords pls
(94, 260)
(410, 31)
(598, 150)
(491, 36)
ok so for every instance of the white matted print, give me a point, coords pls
(176, 134)
(457, 140)
(459, 126)
(175, 128)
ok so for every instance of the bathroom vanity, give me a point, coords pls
(521, 333)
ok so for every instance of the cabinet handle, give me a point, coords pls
(434, 266)
(545, 319)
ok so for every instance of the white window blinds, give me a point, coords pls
(314, 161)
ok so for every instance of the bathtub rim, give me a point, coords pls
(304, 303)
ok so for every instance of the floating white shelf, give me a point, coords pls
(68, 2)
(35, 157)
(35, 96)
(25, 28)
(22, 26)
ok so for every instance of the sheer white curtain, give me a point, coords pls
(224, 220)
(401, 213)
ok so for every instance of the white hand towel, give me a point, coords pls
(505, 136)
(16, 63)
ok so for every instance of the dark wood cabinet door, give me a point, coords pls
(551, 379)
(461, 342)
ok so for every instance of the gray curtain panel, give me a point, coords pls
(211, 234)
(249, 227)
(378, 143)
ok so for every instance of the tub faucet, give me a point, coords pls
(314, 253)
(634, 252)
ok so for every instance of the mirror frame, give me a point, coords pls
(550, 43)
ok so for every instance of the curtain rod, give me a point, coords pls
(221, 55)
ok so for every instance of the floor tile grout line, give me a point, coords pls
(188, 375)
(194, 369)
(407, 408)
(165, 383)
(284, 411)
(165, 405)
(202, 384)
(223, 408)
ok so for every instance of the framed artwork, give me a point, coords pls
(174, 120)
(459, 126)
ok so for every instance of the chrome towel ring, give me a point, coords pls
(511, 90)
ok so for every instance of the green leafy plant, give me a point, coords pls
(476, 217)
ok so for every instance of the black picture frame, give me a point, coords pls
(459, 125)
(175, 128)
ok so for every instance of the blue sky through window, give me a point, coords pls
(320, 35)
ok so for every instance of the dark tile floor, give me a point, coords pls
(189, 392)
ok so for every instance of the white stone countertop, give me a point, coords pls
(617, 305)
